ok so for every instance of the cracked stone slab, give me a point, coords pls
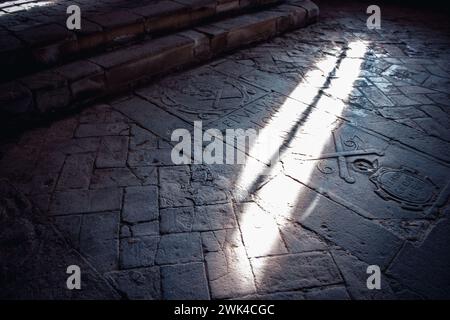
(229, 270)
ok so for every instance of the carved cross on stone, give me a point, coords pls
(341, 155)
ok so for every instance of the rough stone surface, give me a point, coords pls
(184, 281)
(140, 204)
(181, 247)
(137, 284)
(292, 272)
(138, 252)
(360, 119)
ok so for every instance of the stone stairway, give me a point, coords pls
(54, 70)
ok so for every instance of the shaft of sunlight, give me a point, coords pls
(314, 103)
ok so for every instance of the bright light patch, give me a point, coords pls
(309, 124)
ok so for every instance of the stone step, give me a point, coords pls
(53, 43)
(80, 82)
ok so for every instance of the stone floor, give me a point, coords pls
(20, 15)
(361, 120)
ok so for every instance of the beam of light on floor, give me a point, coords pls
(316, 113)
(13, 7)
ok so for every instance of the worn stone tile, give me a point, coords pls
(175, 190)
(104, 129)
(145, 229)
(150, 117)
(70, 227)
(256, 224)
(355, 275)
(35, 267)
(141, 139)
(179, 248)
(294, 271)
(433, 128)
(77, 171)
(376, 96)
(184, 282)
(140, 204)
(298, 239)
(114, 177)
(203, 218)
(74, 146)
(146, 175)
(423, 269)
(174, 220)
(137, 284)
(229, 271)
(153, 157)
(113, 152)
(81, 201)
(99, 239)
(138, 252)
(328, 293)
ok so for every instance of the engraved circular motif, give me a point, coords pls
(405, 186)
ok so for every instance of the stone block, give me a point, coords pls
(137, 284)
(295, 271)
(140, 204)
(226, 5)
(99, 239)
(102, 129)
(81, 201)
(151, 58)
(119, 24)
(247, 29)
(112, 152)
(217, 37)
(113, 177)
(179, 248)
(51, 90)
(201, 43)
(311, 8)
(138, 252)
(229, 271)
(45, 34)
(291, 17)
(76, 173)
(184, 282)
(164, 16)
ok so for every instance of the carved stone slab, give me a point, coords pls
(373, 177)
(201, 95)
